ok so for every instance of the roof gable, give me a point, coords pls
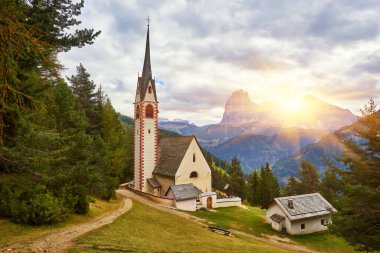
(171, 152)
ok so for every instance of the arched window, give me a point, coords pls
(149, 111)
(194, 158)
(150, 89)
(193, 174)
(137, 112)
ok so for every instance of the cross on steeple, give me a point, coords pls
(148, 20)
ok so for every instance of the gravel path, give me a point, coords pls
(59, 241)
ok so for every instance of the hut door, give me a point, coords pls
(209, 202)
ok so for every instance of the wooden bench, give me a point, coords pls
(219, 230)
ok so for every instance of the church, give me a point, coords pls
(172, 167)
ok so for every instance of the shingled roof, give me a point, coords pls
(304, 206)
(171, 151)
(153, 182)
(185, 191)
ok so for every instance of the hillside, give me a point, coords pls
(168, 233)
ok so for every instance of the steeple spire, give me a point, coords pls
(146, 75)
(147, 69)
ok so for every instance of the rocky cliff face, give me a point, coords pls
(239, 109)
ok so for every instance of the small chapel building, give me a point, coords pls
(172, 167)
(300, 214)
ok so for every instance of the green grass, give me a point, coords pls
(252, 220)
(145, 229)
(14, 233)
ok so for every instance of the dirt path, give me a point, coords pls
(59, 241)
(291, 245)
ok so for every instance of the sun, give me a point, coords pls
(291, 104)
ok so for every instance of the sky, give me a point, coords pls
(202, 51)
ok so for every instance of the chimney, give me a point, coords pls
(290, 204)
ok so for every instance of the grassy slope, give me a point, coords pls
(145, 229)
(252, 220)
(14, 233)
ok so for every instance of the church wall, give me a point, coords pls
(137, 154)
(203, 180)
(165, 182)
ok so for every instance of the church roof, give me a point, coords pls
(185, 191)
(146, 75)
(171, 151)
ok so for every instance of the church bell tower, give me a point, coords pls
(145, 124)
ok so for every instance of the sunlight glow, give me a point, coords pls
(292, 104)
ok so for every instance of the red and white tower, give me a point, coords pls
(145, 124)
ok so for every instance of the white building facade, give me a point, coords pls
(301, 214)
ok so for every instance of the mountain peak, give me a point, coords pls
(238, 107)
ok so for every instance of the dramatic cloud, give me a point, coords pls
(202, 51)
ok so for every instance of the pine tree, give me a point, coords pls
(88, 97)
(330, 186)
(237, 181)
(292, 187)
(358, 214)
(253, 187)
(309, 178)
(268, 187)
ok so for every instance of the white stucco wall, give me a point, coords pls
(203, 181)
(273, 209)
(186, 205)
(149, 149)
(227, 202)
(205, 196)
(311, 225)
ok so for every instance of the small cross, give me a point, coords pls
(148, 19)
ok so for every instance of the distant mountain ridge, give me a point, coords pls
(259, 133)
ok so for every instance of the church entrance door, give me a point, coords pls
(209, 203)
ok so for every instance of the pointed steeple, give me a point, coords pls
(147, 69)
(146, 75)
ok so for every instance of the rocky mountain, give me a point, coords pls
(239, 109)
(311, 114)
(329, 147)
(259, 133)
(254, 150)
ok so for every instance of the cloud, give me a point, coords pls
(202, 51)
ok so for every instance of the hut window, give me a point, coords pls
(194, 158)
(149, 111)
(148, 131)
(150, 89)
(193, 174)
(303, 226)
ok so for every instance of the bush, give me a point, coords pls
(38, 207)
(76, 198)
(6, 197)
